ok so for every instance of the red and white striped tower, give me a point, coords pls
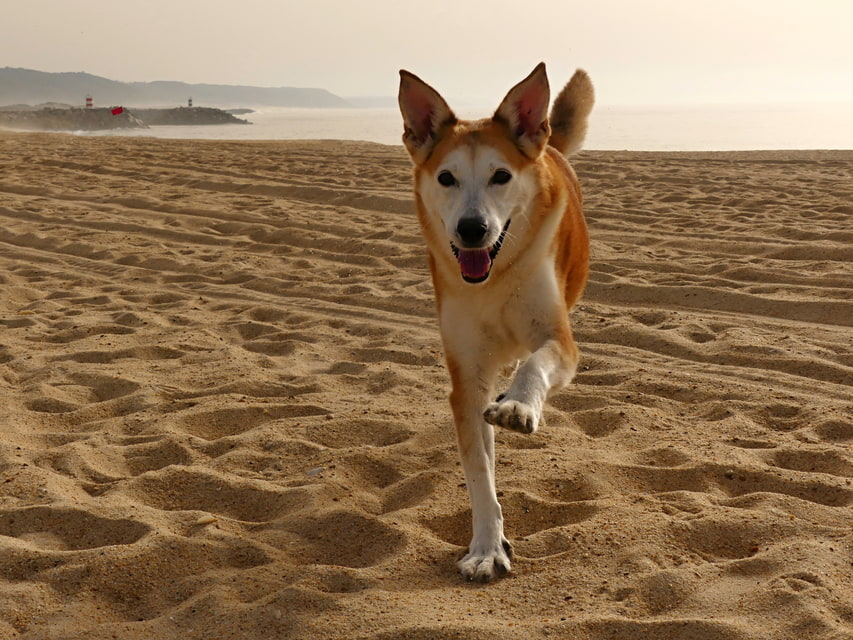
(88, 102)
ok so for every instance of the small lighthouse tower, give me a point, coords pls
(88, 102)
(190, 102)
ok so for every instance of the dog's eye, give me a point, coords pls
(501, 176)
(446, 179)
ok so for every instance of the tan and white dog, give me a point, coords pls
(500, 210)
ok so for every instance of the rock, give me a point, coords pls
(52, 119)
(187, 116)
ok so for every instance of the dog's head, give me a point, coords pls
(473, 177)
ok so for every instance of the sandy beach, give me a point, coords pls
(224, 403)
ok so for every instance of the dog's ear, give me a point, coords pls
(425, 114)
(524, 111)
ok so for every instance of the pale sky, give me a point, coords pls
(636, 51)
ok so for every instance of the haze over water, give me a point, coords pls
(632, 128)
(661, 52)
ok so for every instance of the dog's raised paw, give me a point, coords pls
(510, 414)
(486, 565)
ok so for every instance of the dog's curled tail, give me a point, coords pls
(570, 113)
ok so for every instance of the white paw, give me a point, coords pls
(486, 564)
(510, 414)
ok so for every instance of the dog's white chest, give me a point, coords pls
(501, 321)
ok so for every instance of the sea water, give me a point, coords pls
(715, 128)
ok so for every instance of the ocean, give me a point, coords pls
(717, 128)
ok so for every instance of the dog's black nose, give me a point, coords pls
(471, 231)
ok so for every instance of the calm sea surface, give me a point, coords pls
(611, 128)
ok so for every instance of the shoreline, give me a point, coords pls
(694, 130)
(781, 154)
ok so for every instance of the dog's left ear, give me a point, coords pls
(425, 114)
(524, 110)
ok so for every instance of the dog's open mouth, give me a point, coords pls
(476, 264)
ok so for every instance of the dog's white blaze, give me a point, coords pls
(473, 168)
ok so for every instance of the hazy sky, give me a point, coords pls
(637, 51)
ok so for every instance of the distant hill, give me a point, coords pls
(26, 86)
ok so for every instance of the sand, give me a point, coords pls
(224, 404)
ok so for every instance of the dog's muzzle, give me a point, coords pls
(476, 264)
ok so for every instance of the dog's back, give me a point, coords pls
(568, 121)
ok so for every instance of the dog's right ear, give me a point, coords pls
(524, 111)
(425, 114)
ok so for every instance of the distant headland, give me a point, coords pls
(26, 86)
(75, 101)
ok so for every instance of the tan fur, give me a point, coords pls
(504, 178)
(570, 112)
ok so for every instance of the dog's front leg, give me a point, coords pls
(548, 368)
(489, 552)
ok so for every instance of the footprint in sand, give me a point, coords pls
(731, 538)
(346, 539)
(344, 432)
(536, 526)
(835, 431)
(829, 461)
(153, 455)
(233, 420)
(66, 529)
(197, 489)
(51, 405)
(147, 353)
(105, 396)
(74, 333)
(410, 491)
(820, 490)
(600, 423)
(370, 469)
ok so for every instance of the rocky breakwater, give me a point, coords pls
(187, 116)
(73, 119)
(53, 119)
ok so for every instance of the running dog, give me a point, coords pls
(500, 210)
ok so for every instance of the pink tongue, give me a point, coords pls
(475, 263)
